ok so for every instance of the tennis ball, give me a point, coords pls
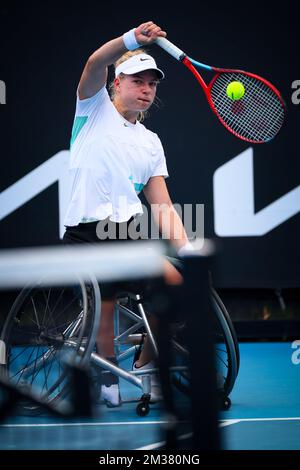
(235, 90)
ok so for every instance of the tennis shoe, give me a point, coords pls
(110, 394)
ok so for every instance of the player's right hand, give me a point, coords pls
(148, 32)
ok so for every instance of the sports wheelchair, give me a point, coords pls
(48, 326)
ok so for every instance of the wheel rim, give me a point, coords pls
(38, 332)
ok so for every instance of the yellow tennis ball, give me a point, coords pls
(235, 90)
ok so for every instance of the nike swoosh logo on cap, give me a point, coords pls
(144, 59)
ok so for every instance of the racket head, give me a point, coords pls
(258, 116)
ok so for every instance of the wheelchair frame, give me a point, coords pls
(46, 343)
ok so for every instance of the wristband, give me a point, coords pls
(130, 41)
(188, 247)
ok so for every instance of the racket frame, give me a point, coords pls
(191, 64)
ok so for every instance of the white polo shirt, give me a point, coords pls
(111, 161)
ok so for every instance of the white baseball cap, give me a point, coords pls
(138, 63)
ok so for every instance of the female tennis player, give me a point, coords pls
(113, 158)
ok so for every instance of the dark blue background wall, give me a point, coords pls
(43, 51)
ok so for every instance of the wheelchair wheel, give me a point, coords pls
(46, 327)
(227, 357)
(227, 354)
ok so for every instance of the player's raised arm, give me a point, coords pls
(94, 75)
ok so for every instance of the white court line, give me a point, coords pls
(266, 419)
(141, 423)
(156, 445)
(223, 423)
(52, 425)
(227, 422)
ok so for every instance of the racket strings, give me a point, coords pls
(257, 116)
(252, 115)
(248, 117)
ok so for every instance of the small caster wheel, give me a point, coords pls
(226, 404)
(142, 409)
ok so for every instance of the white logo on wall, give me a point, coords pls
(52, 171)
(233, 188)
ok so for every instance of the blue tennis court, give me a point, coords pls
(265, 414)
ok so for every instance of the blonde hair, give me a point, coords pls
(111, 87)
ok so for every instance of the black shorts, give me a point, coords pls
(87, 233)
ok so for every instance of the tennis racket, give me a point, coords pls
(257, 117)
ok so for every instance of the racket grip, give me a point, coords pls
(170, 48)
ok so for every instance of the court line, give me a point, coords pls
(113, 423)
(157, 445)
(266, 419)
(228, 422)
(133, 423)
